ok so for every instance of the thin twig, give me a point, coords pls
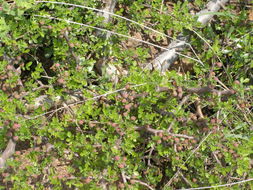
(186, 180)
(140, 182)
(202, 38)
(124, 18)
(221, 83)
(185, 99)
(77, 59)
(110, 13)
(123, 177)
(192, 153)
(149, 155)
(115, 33)
(199, 110)
(217, 186)
(161, 8)
(210, 89)
(156, 131)
(167, 58)
(216, 158)
(82, 101)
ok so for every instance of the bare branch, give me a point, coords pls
(115, 33)
(156, 131)
(199, 110)
(167, 58)
(210, 89)
(74, 103)
(8, 152)
(192, 153)
(140, 182)
(106, 12)
(217, 186)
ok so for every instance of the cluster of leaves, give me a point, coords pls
(173, 130)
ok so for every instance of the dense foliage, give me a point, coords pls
(76, 127)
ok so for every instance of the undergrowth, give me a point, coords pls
(76, 127)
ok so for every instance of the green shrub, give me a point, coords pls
(188, 127)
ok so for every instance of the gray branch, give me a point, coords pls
(167, 58)
(8, 152)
